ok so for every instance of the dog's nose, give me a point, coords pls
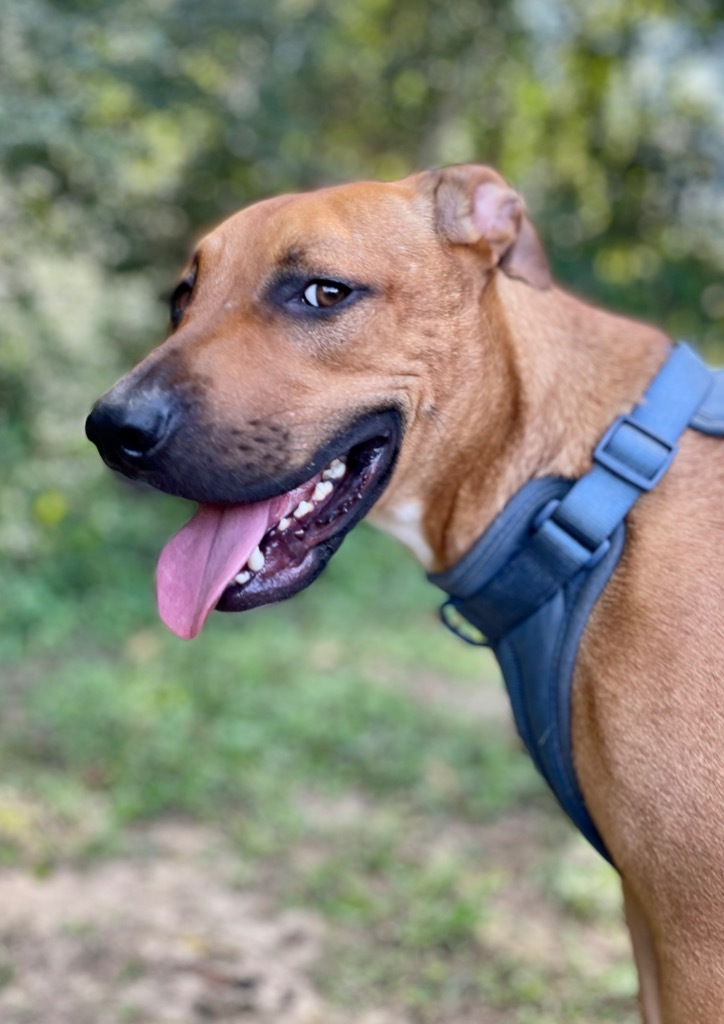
(128, 432)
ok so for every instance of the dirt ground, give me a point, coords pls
(165, 934)
(160, 936)
(169, 930)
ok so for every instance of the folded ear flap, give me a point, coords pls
(476, 207)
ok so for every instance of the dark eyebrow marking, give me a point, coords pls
(293, 257)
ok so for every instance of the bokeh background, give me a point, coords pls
(353, 760)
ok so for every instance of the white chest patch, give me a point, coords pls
(404, 523)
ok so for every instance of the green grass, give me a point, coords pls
(302, 732)
(289, 693)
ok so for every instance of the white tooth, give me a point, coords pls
(242, 577)
(256, 560)
(335, 470)
(283, 524)
(323, 488)
(302, 509)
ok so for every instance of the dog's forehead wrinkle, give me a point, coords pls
(360, 218)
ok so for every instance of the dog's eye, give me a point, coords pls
(182, 297)
(325, 294)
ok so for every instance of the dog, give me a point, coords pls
(399, 351)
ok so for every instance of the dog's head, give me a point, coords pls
(316, 339)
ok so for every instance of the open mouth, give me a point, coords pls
(237, 557)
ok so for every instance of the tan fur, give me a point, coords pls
(503, 378)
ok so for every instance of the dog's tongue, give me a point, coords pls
(197, 564)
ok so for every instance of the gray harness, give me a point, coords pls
(529, 583)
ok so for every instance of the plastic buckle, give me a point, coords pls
(622, 468)
(571, 547)
(453, 618)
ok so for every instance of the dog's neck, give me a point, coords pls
(556, 373)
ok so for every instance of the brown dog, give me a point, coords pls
(400, 349)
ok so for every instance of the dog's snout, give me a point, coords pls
(128, 432)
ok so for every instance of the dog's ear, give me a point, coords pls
(475, 206)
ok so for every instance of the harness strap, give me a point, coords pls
(574, 533)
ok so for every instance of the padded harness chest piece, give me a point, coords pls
(530, 582)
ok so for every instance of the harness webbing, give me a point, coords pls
(530, 582)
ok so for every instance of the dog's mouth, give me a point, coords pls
(236, 557)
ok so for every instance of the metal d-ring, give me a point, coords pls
(453, 618)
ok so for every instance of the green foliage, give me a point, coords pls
(446, 942)
(257, 704)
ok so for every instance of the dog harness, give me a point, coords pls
(530, 582)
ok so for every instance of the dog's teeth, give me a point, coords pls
(256, 560)
(335, 470)
(242, 577)
(283, 524)
(302, 509)
(323, 488)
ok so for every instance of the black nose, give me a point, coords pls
(129, 432)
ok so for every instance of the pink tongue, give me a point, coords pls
(198, 563)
